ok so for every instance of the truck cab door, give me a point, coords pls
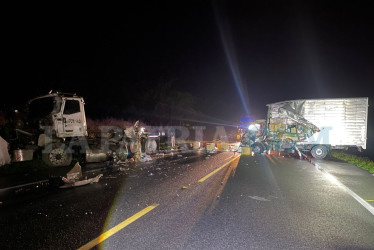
(73, 118)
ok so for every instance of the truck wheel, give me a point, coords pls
(258, 148)
(57, 155)
(319, 152)
(150, 147)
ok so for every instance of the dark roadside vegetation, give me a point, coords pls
(354, 158)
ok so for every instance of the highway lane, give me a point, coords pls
(348, 175)
(280, 203)
(46, 218)
(197, 202)
(257, 203)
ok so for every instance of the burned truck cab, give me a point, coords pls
(57, 119)
(254, 136)
(58, 115)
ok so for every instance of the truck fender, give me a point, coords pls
(44, 140)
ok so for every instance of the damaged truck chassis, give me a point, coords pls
(57, 131)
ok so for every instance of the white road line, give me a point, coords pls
(332, 178)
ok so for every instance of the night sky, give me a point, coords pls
(226, 57)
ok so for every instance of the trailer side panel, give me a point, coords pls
(342, 122)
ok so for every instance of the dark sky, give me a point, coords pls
(268, 51)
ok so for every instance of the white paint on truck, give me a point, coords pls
(342, 122)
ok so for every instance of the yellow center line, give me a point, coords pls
(218, 169)
(369, 200)
(117, 228)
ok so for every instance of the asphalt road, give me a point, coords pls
(195, 201)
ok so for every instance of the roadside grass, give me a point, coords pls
(359, 161)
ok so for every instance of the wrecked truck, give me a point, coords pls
(311, 125)
(56, 130)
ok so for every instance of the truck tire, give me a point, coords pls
(319, 152)
(150, 147)
(57, 155)
(258, 148)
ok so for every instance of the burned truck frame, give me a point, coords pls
(315, 125)
(57, 130)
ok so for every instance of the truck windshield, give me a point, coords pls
(42, 107)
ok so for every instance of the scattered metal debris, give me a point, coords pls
(74, 174)
(144, 158)
(74, 178)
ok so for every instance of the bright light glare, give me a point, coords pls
(232, 60)
(332, 179)
(252, 127)
(349, 191)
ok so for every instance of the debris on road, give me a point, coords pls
(74, 174)
(121, 169)
(144, 158)
(74, 178)
(83, 182)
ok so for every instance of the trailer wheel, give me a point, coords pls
(258, 148)
(57, 155)
(150, 147)
(319, 152)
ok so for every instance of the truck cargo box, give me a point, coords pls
(338, 122)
